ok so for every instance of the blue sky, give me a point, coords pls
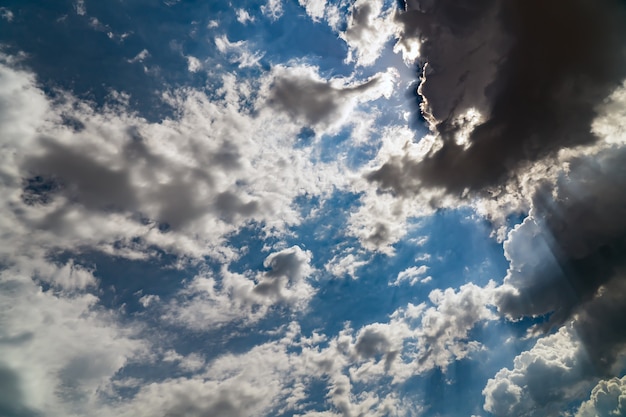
(314, 208)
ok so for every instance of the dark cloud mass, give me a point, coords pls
(567, 260)
(535, 70)
(571, 244)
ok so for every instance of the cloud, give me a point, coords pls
(79, 7)
(341, 266)
(307, 98)
(531, 72)
(413, 275)
(608, 398)
(445, 328)
(60, 350)
(314, 8)
(566, 263)
(207, 302)
(140, 57)
(272, 378)
(79, 177)
(419, 338)
(238, 52)
(244, 17)
(369, 28)
(571, 243)
(273, 9)
(6, 14)
(543, 380)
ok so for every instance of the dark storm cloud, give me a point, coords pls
(535, 70)
(573, 241)
(568, 258)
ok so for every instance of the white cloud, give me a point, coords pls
(607, 399)
(269, 379)
(413, 275)
(125, 166)
(314, 8)
(208, 302)
(244, 17)
(544, 379)
(417, 338)
(140, 57)
(273, 9)
(193, 64)
(61, 351)
(149, 299)
(341, 266)
(369, 28)
(6, 14)
(238, 52)
(79, 7)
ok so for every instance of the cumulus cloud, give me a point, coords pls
(566, 263)
(314, 8)
(180, 184)
(6, 14)
(341, 266)
(272, 378)
(608, 398)
(76, 178)
(369, 28)
(419, 338)
(506, 84)
(413, 275)
(210, 302)
(571, 243)
(80, 8)
(543, 380)
(244, 17)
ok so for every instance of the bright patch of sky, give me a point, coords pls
(271, 208)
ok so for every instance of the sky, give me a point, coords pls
(313, 208)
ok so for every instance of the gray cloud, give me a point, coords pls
(83, 178)
(535, 70)
(572, 243)
(371, 343)
(311, 100)
(566, 260)
(284, 281)
(11, 397)
(207, 302)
